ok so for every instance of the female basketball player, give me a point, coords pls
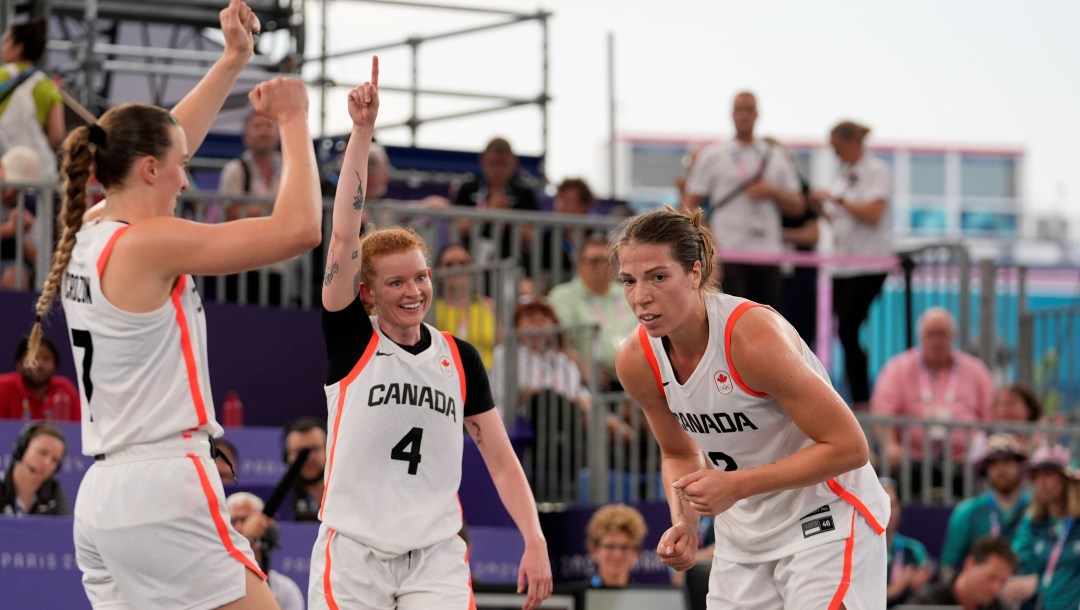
(151, 529)
(799, 512)
(398, 392)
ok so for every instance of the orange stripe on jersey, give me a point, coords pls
(369, 351)
(189, 352)
(650, 356)
(735, 315)
(456, 355)
(103, 259)
(854, 500)
(219, 523)
(845, 578)
(328, 592)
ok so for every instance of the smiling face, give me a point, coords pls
(401, 293)
(615, 555)
(43, 455)
(659, 291)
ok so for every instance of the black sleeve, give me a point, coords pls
(524, 197)
(466, 195)
(346, 334)
(478, 397)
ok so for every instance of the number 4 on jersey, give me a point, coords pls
(408, 449)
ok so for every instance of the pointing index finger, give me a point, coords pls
(375, 70)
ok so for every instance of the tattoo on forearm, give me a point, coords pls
(331, 269)
(358, 199)
(680, 495)
(356, 284)
(476, 433)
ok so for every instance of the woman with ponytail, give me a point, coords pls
(750, 431)
(151, 529)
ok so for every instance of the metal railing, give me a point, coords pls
(1048, 357)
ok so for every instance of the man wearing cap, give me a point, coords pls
(1047, 541)
(996, 512)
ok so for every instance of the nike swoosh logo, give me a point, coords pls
(378, 353)
(665, 383)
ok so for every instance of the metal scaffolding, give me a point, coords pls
(99, 46)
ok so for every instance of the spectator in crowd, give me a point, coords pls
(593, 297)
(498, 187)
(986, 569)
(461, 309)
(909, 563)
(749, 184)
(551, 394)
(997, 511)
(801, 233)
(246, 514)
(31, 107)
(18, 164)
(227, 461)
(30, 486)
(38, 392)
(614, 537)
(306, 433)
(545, 368)
(858, 202)
(558, 245)
(257, 172)
(1018, 403)
(940, 384)
(1047, 542)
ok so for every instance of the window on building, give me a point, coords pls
(987, 176)
(927, 174)
(928, 219)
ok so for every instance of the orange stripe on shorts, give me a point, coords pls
(219, 523)
(328, 592)
(845, 578)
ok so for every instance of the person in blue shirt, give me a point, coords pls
(1047, 541)
(997, 511)
(908, 561)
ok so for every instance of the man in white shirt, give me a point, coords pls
(748, 184)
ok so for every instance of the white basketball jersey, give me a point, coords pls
(738, 428)
(396, 440)
(143, 377)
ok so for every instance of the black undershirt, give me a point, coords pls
(347, 333)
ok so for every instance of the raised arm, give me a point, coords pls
(341, 281)
(197, 111)
(167, 246)
(489, 434)
(680, 456)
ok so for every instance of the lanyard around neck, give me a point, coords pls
(926, 386)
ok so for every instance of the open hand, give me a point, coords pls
(534, 572)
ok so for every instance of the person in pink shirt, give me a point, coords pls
(940, 384)
(38, 393)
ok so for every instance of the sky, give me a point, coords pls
(981, 74)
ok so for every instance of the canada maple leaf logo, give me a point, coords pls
(723, 382)
(445, 362)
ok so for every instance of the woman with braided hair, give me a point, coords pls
(138, 335)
